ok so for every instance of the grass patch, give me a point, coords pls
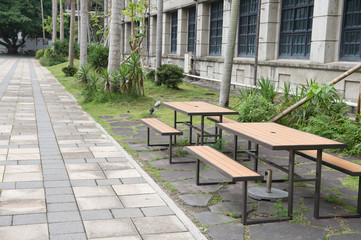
(350, 182)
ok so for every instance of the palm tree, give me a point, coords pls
(61, 13)
(158, 41)
(55, 16)
(114, 36)
(71, 34)
(83, 32)
(228, 59)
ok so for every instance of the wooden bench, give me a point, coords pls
(216, 119)
(341, 165)
(164, 130)
(227, 167)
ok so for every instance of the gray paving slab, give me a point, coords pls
(351, 236)
(196, 200)
(231, 231)
(5, 221)
(29, 219)
(209, 218)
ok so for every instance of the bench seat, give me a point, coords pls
(342, 165)
(227, 167)
(164, 130)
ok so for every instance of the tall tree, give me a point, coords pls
(228, 59)
(20, 17)
(72, 34)
(61, 13)
(84, 32)
(55, 18)
(158, 37)
(114, 37)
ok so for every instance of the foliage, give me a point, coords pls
(219, 144)
(69, 71)
(96, 21)
(62, 48)
(39, 54)
(98, 56)
(134, 85)
(150, 75)
(83, 74)
(267, 89)
(255, 108)
(20, 16)
(170, 75)
(50, 58)
(91, 88)
(279, 210)
(48, 24)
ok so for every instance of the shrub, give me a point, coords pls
(91, 88)
(51, 61)
(69, 71)
(98, 56)
(256, 108)
(39, 54)
(83, 74)
(170, 75)
(150, 75)
(61, 48)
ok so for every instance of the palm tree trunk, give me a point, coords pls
(71, 34)
(114, 37)
(158, 41)
(228, 59)
(84, 31)
(79, 27)
(55, 16)
(61, 20)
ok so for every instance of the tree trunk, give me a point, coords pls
(84, 32)
(61, 21)
(105, 15)
(122, 6)
(114, 37)
(358, 110)
(306, 99)
(79, 27)
(71, 34)
(159, 33)
(55, 16)
(228, 60)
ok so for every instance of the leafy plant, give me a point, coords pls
(256, 108)
(134, 84)
(91, 88)
(83, 75)
(39, 54)
(267, 89)
(219, 144)
(98, 56)
(150, 75)
(69, 71)
(170, 75)
(181, 152)
(279, 210)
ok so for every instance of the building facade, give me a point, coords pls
(299, 39)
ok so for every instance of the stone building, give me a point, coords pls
(299, 39)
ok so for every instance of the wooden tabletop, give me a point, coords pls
(278, 137)
(198, 108)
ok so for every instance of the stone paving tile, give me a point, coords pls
(96, 215)
(129, 173)
(25, 232)
(158, 225)
(62, 207)
(231, 231)
(169, 236)
(94, 203)
(105, 182)
(209, 218)
(351, 236)
(127, 213)
(72, 236)
(29, 219)
(63, 216)
(196, 200)
(93, 191)
(142, 200)
(132, 189)
(5, 221)
(157, 211)
(66, 227)
(110, 228)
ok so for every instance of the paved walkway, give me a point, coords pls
(63, 177)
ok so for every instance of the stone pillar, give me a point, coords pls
(327, 20)
(127, 34)
(152, 33)
(269, 30)
(167, 17)
(203, 29)
(182, 31)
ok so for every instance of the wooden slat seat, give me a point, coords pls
(342, 165)
(217, 119)
(227, 167)
(162, 128)
(334, 162)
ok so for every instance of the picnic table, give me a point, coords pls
(278, 137)
(202, 109)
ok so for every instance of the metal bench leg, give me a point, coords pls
(235, 147)
(190, 129)
(316, 211)
(170, 148)
(256, 158)
(359, 196)
(244, 203)
(197, 173)
(291, 172)
(249, 149)
(148, 136)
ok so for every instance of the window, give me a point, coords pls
(215, 39)
(191, 29)
(351, 34)
(247, 27)
(174, 26)
(296, 28)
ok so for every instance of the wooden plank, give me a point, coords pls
(343, 165)
(198, 108)
(223, 163)
(160, 126)
(278, 137)
(224, 119)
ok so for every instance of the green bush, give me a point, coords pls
(83, 74)
(51, 61)
(69, 71)
(150, 75)
(98, 56)
(61, 48)
(39, 54)
(170, 75)
(256, 108)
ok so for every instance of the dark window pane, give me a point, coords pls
(351, 31)
(174, 28)
(191, 29)
(296, 28)
(247, 27)
(216, 28)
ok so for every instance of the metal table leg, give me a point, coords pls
(202, 129)
(291, 167)
(190, 129)
(235, 147)
(175, 126)
(316, 211)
